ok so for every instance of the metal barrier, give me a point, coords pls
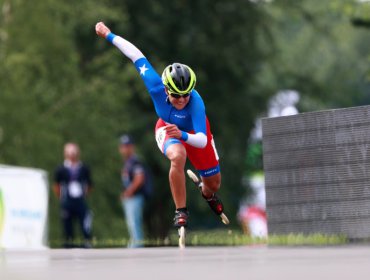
(317, 172)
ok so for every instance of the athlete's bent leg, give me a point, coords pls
(176, 153)
(211, 184)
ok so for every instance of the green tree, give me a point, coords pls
(318, 52)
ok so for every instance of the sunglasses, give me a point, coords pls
(177, 96)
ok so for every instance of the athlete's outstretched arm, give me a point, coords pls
(127, 48)
(147, 72)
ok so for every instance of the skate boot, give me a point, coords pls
(181, 218)
(181, 222)
(214, 202)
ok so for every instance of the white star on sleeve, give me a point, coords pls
(143, 69)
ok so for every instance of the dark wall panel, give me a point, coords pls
(317, 169)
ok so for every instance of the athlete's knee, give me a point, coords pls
(177, 155)
(178, 159)
(213, 183)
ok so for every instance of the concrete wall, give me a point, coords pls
(317, 168)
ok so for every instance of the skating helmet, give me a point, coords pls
(178, 78)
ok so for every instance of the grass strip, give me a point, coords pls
(223, 238)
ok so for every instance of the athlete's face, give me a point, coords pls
(178, 103)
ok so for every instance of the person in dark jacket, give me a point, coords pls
(72, 185)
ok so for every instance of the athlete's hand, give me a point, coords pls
(173, 131)
(102, 30)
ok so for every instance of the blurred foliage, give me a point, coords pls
(253, 160)
(319, 52)
(59, 83)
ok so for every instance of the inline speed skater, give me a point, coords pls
(182, 130)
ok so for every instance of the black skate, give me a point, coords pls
(181, 219)
(181, 222)
(214, 202)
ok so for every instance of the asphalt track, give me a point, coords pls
(226, 263)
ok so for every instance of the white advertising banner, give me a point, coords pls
(23, 208)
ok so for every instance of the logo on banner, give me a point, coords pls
(2, 214)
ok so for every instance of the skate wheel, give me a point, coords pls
(182, 233)
(224, 219)
(192, 176)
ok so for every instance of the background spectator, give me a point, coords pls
(134, 179)
(72, 184)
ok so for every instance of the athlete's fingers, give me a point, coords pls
(176, 133)
(170, 130)
(173, 133)
(98, 26)
(101, 29)
(101, 24)
(174, 136)
(170, 126)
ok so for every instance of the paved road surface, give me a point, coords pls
(206, 263)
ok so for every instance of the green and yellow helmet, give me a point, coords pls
(179, 78)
